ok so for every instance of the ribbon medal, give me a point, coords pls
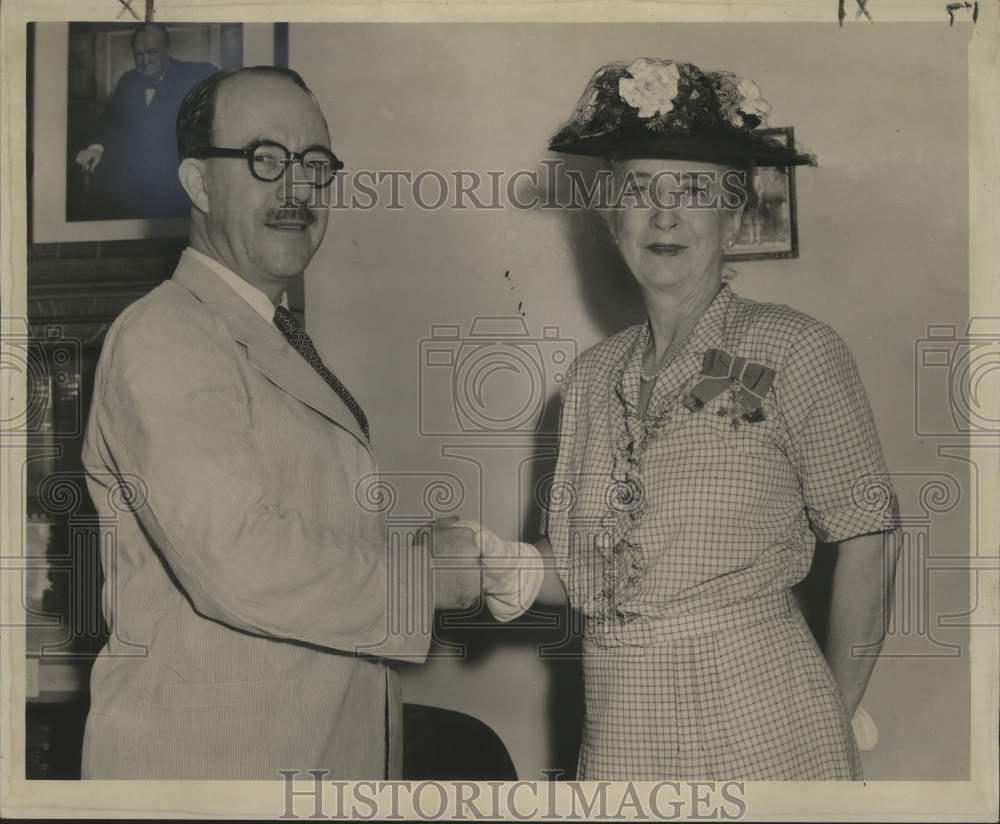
(746, 382)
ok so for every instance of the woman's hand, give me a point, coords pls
(512, 572)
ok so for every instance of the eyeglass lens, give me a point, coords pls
(270, 162)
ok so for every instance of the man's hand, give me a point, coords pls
(455, 565)
(88, 158)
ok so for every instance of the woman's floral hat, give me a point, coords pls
(662, 108)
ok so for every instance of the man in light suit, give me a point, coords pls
(247, 590)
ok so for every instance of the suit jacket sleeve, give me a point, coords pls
(173, 410)
(114, 119)
(198, 72)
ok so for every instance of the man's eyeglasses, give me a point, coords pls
(269, 160)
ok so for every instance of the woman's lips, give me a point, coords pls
(666, 249)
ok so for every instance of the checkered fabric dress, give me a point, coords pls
(678, 536)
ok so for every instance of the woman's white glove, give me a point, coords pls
(865, 731)
(512, 572)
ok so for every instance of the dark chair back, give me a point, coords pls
(441, 744)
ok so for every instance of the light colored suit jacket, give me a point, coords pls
(248, 582)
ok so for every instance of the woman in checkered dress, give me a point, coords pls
(701, 456)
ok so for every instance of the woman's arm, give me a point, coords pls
(552, 593)
(860, 601)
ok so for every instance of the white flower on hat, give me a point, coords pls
(752, 102)
(652, 87)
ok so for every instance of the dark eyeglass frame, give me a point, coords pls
(290, 157)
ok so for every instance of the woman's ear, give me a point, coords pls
(611, 184)
(192, 174)
(734, 220)
(610, 218)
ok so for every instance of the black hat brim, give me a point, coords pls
(734, 147)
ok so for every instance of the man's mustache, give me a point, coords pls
(296, 212)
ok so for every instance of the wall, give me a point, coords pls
(883, 233)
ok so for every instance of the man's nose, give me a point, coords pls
(296, 184)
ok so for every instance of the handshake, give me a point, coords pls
(468, 561)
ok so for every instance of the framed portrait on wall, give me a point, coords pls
(770, 229)
(102, 147)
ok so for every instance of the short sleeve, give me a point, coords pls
(834, 445)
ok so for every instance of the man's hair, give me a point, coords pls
(196, 116)
(159, 28)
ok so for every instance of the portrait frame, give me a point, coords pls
(48, 138)
(770, 230)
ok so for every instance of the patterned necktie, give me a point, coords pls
(302, 343)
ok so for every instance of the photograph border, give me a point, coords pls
(975, 799)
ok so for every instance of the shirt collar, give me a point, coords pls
(710, 329)
(260, 302)
(708, 332)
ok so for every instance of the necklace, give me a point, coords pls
(668, 358)
(647, 378)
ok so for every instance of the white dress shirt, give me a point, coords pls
(251, 294)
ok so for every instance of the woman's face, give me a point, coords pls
(672, 232)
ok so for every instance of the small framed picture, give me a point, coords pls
(770, 229)
(102, 147)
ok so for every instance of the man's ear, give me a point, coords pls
(192, 174)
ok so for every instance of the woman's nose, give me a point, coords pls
(663, 219)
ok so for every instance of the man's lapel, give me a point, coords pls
(266, 347)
